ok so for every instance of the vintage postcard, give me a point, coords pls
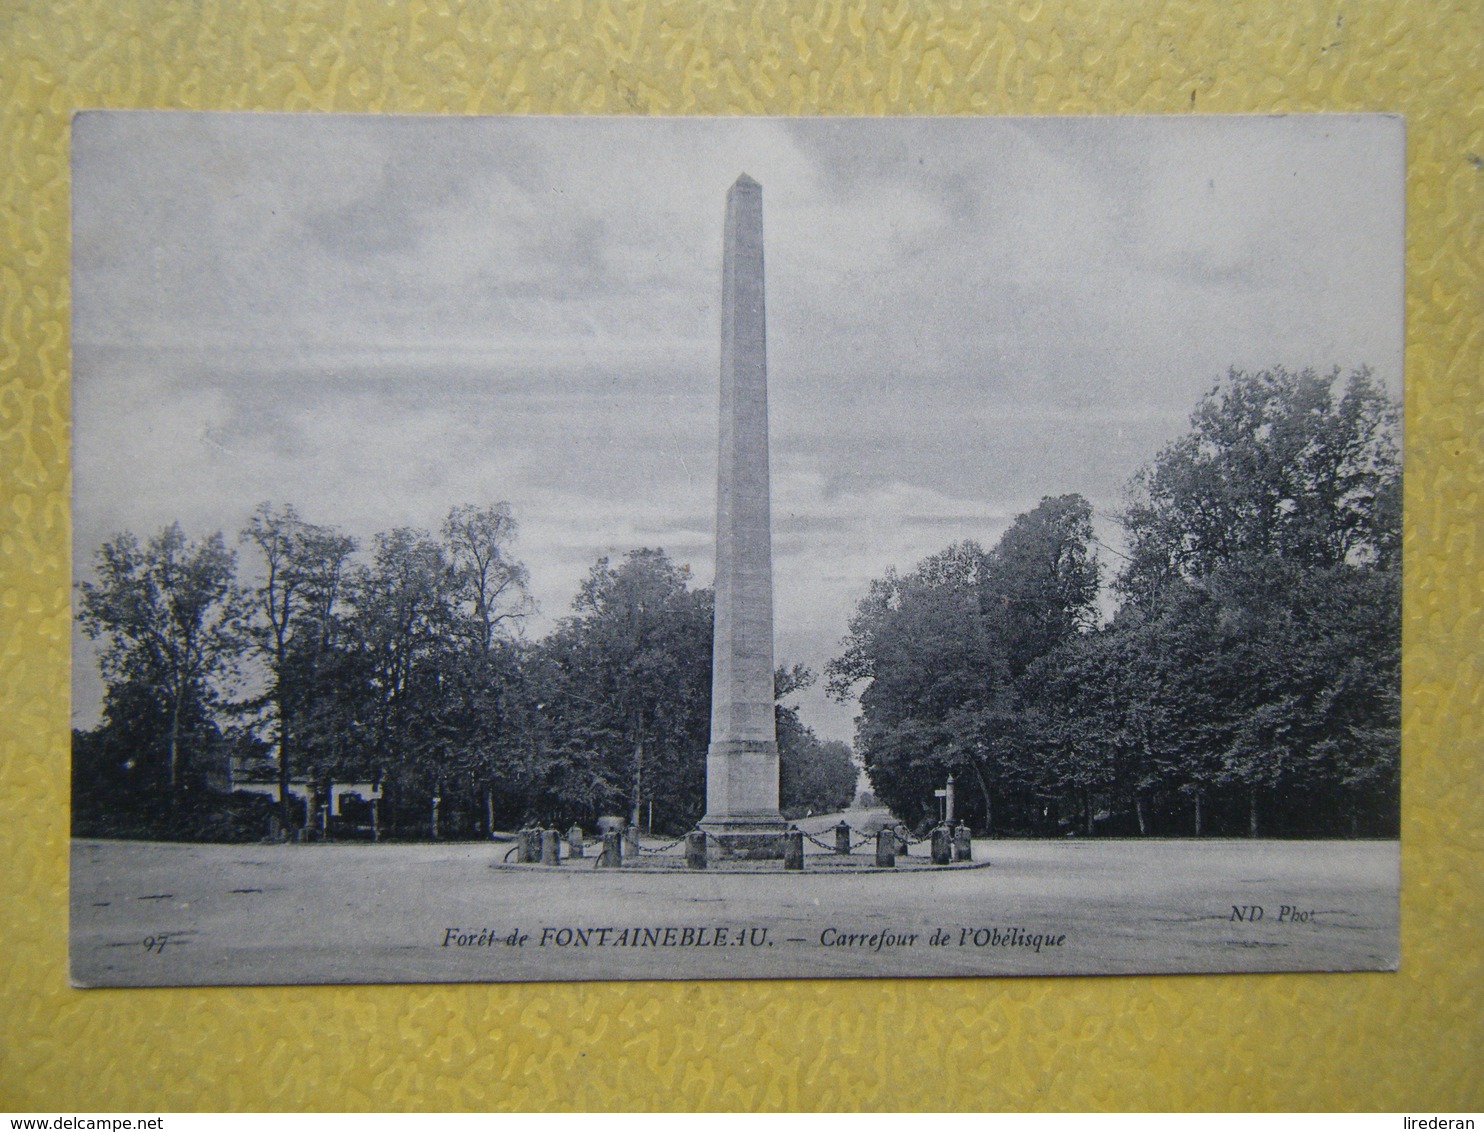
(631, 548)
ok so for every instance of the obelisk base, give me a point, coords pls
(757, 839)
(742, 818)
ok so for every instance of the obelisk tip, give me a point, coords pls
(746, 182)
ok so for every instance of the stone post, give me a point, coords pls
(574, 841)
(842, 839)
(793, 849)
(551, 847)
(886, 849)
(612, 855)
(631, 842)
(695, 849)
(942, 845)
(963, 847)
(904, 847)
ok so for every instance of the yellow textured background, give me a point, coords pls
(1413, 1039)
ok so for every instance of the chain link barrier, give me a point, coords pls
(665, 848)
(860, 841)
(810, 837)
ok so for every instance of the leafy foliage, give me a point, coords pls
(1250, 678)
(814, 775)
(942, 653)
(294, 628)
(628, 677)
(1276, 465)
(171, 617)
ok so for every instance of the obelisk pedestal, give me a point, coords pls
(742, 762)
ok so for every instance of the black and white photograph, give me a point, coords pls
(593, 548)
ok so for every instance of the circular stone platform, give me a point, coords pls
(817, 864)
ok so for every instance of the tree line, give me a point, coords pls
(1238, 671)
(402, 664)
(1241, 674)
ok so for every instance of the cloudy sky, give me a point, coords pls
(376, 318)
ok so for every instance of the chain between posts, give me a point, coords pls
(810, 837)
(862, 840)
(867, 838)
(666, 847)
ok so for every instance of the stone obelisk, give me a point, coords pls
(742, 762)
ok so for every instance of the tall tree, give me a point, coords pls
(171, 616)
(492, 586)
(1039, 586)
(403, 630)
(1292, 465)
(1264, 560)
(940, 654)
(491, 598)
(295, 609)
(632, 670)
